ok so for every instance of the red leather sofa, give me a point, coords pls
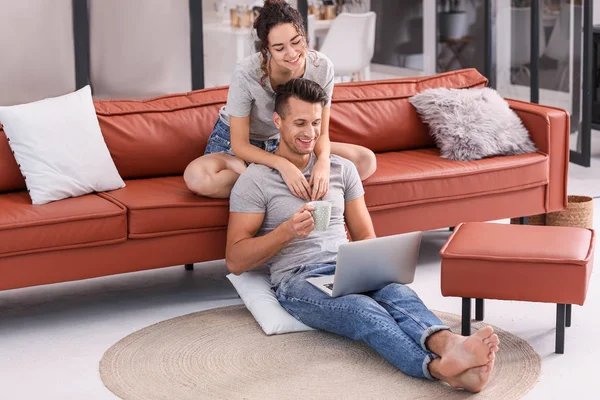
(156, 221)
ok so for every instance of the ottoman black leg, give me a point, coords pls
(560, 329)
(478, 309)
(568, 316)
(466, 316)
(189, 267)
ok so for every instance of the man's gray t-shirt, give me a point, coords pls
(261, 189)
(247, 97)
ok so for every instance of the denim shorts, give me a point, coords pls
(220, 141)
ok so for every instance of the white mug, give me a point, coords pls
(321, 214)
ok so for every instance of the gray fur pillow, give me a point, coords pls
(470, 124)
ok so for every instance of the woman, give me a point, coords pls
(245, 132)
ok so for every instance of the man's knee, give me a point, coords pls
(397, 291)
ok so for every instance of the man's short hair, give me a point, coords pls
(301, 89)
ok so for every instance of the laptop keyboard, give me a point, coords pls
(328, 286)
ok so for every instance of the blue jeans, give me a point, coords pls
(393, 320)
(220, 141)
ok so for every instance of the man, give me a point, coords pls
(268, 224)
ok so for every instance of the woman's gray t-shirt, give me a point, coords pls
(247, 97)
(262, 190)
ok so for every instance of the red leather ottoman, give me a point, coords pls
(518, 262)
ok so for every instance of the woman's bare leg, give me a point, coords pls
(213, 175)
(363, 158)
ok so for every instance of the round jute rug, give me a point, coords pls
(223, 354)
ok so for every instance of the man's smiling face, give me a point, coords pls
(300, 126)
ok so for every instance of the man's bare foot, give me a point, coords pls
(462, 353)
(473, 379)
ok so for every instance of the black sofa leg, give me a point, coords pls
(466, 316)
(523, 220)
(189, 267)
(568, 316)
(560, 329)
(479, 309)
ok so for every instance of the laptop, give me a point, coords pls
(371, 264)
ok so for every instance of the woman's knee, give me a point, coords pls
(195, 176)
(199, 176)
(363, 158)
(366, 163)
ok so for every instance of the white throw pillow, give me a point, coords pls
(59, 147)
(254, 288)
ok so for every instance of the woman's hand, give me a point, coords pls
(319, 179)
(294, 180)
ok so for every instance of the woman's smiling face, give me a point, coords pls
(287, 48)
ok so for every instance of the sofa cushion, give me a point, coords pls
(70, 223)
(165, 206)
(378, 114)
(421, 176)
(159, 136)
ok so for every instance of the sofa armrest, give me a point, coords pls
(549, 128)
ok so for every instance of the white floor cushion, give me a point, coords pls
(254, 287)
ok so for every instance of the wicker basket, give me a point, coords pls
(579, 213)
(539, 219)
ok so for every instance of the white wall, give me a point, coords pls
(208, 6)
(36, 43)
(596, 16)
(139, 48)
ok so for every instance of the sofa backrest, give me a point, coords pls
(161, 136)
(378, 115)
(146, 138)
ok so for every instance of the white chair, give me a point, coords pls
(350, 44)
(559, 45)
(521, 39)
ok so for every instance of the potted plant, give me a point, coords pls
(452, 20)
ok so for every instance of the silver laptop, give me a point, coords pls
(371, 264)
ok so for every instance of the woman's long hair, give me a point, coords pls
(273, 13)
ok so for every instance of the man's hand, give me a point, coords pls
(319, 178)
(294, 180)
(302, 223)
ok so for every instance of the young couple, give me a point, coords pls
(271, 223)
